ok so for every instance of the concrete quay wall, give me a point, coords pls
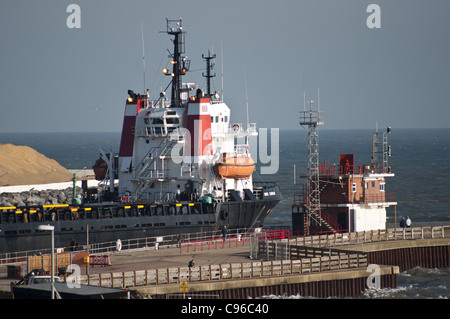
(406, 254)
(338, 283)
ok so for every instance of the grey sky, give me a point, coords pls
(53, 78)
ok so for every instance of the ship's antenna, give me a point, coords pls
(143, 53)
(221, 62)
(304, 93)
(246, 105)
(295, 182)
(318, 101)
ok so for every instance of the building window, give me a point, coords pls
(354, 187)
(382, 187)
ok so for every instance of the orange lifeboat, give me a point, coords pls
(235, 167)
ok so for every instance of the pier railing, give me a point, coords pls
(236, 240)
(388, 234)
(225, 271)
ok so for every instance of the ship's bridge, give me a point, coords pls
(158, 122)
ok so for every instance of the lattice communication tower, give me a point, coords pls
(311, 120)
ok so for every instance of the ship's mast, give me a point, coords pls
(180, 64)
(208, 75)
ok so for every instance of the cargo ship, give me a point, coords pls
(179, 170)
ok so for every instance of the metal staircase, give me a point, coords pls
(169, 146)
(324, 220)
(148, 171)
(149, 159)
(147, 164)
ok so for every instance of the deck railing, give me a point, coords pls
(380, 198)
(334, 170)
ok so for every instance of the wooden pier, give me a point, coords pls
(335, 265)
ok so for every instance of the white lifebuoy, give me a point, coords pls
(236, 127)
(119, 245)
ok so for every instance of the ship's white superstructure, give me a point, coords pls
(184, 148)
(175, 150)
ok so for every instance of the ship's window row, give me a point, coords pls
(13, 216)
(216, 119)
(160, 120)
(160, 131)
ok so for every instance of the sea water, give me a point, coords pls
(420, 161)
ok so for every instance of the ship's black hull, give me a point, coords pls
(109, 222)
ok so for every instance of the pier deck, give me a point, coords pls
(319, 266)
(172, 258)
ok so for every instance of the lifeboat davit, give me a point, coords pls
(100, 168)
(234, 167)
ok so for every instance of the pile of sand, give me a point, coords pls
(22, 165)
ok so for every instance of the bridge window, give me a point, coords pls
(158, 121)
(172, 120)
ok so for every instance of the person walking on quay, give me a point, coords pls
(403, 222)
(180, 240)
(224, 233)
